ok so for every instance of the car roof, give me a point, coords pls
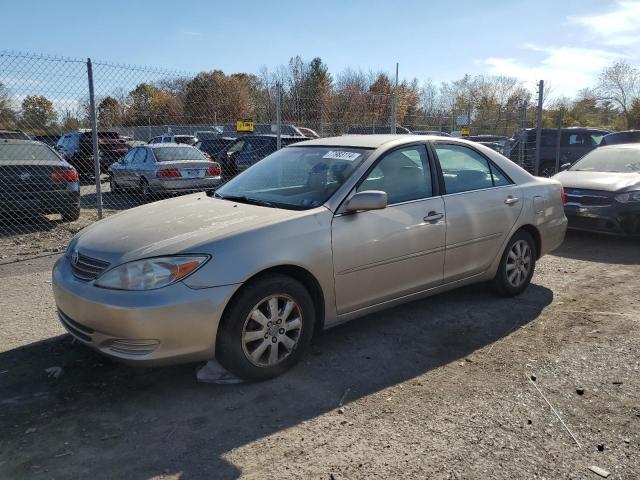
(167, 145)
(621, 146)
(363, 141)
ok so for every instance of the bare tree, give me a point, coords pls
(620, 85)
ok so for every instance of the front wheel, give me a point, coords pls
(517, 265)
(266, 328)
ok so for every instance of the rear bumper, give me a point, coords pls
(174, 324)
(181, 185)
(40, 202)
(552, 234)
(622, 220)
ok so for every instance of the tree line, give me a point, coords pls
(312, 97)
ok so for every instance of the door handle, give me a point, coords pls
(433, 216)
(511, 200)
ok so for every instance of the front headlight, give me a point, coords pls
(150, 273)
(629, 197)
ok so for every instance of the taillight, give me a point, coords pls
(64, 175)
(168, 173)
(563, 196)
(214, 171)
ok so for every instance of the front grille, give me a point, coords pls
(133, 347)
(76, 329)
(587, 198)
(87, 268)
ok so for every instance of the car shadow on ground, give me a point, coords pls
(23, 224)
(113, 201)
(594, 247)
(125, 422)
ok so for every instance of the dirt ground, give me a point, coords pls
(438, 388)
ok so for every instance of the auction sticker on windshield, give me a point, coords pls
(341, 155)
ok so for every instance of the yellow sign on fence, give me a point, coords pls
(465, 131)
(245, 125)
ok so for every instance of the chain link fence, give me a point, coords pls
(80, 140)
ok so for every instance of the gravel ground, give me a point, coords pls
(438, 388)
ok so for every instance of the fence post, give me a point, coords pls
(539, 127)
(522, 135)
(94, 134)
(558, 140)
(278, 117)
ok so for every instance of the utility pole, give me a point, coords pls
(536, 169)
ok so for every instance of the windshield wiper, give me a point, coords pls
(245, 199)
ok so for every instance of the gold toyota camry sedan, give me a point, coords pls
(318, 233)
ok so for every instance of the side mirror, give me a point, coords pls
(564, 166)
(367, 200)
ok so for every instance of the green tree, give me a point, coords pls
(37, 113)
(110, 112)
(7, 114)
(213, 97)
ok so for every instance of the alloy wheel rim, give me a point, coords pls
(518, 263)
(271, 330)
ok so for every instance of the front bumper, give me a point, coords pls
(174, 324)
(611, 219)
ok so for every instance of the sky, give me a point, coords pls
(566, 42)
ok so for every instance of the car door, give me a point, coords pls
(482, 204)
(127, 177)
(384, 254)
(136, 170)
(117, 168)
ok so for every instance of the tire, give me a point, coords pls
(113, 185)
(508, 283)
(145, 190)
(70, 214)
(243, 333)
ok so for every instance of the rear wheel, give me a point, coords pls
(145, 190)
(113, 185)
(517, 265)
(71, 214)
(266, 328)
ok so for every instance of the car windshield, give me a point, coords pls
(170, 154)
(610, 160)
(29, 152)
(297, 178)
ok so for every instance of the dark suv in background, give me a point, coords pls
(77, 149)
(248, 150)
(574, 143)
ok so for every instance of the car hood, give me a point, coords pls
(603, 181)
(186, 224)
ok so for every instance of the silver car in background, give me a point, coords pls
(164, 168)
(318, 233)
